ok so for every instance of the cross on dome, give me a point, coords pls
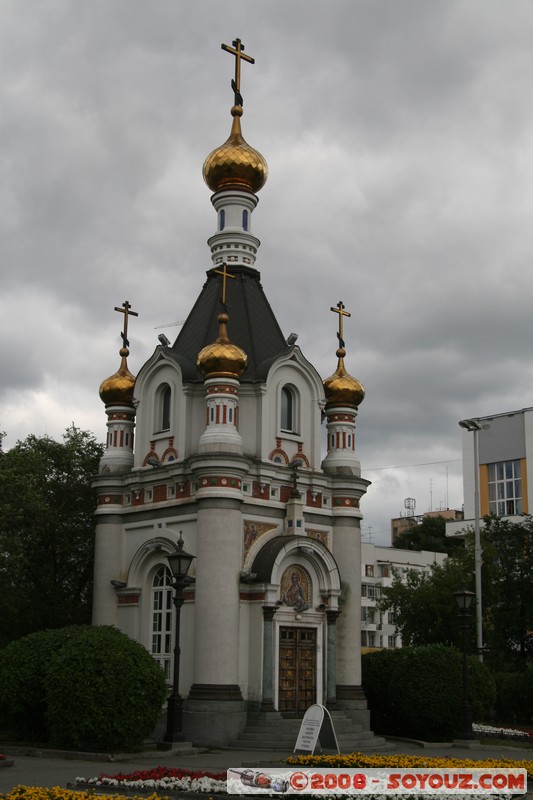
(238, 51)
(339, 309)
(126, 310)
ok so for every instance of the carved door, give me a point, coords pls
(297, 670)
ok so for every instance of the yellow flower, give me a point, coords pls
(364, 761)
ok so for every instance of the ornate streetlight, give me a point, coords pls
(179, 563)
(464, 600)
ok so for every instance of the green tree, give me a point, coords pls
(429, 534)
(423, 604)
(46, 532)
(508, 572)
(425, 608)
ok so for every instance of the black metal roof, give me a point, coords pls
(251, 324)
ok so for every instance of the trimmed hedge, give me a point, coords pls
(84, 687)
(515, 697)
(417, 691)
(23, 665)
(104, 691)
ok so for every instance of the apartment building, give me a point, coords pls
(505, 464)
(378, 566)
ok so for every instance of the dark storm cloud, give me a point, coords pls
(399, 138)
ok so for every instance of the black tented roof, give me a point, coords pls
(251, 324)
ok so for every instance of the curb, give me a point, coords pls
(72, 755)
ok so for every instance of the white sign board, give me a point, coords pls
(316, 726)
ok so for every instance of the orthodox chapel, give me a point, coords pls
(216, 447)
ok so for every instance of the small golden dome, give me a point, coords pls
(235, 165)
(341, 389)
(222, 359)
(118, 388)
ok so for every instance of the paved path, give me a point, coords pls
(56, 771)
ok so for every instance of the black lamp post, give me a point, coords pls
(179, 562)
(464, 600)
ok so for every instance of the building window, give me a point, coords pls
(245, 220)
(373, 591)
(222, 220)
(163, 400)
(505, 488)
(391, 642)
(369, 570)
(162, 619)
(289, 399)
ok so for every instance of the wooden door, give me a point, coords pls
(297, 670)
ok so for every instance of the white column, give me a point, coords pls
(107, 564)
(219, 545)
(347, 552)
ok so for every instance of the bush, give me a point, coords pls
(23, 666)
(482, 690)
(378, 668)
(417, 691)
(428, 687)
(103, 692)
(514, 703)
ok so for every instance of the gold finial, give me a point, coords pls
(339, 309)
(118, 388)
(126, 310)
(238, 51)
(341, 388)
(225, 274)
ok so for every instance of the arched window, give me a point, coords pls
(163, 401)
(245, 220)
(289, 399)
(162, 619)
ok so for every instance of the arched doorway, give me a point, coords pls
(302, 583)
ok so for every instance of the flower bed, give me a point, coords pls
(163, 779)
(495, 732)
(56, 793)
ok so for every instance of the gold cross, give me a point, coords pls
(225, 274)
(126, 310)
(238, 51)
(342, 313)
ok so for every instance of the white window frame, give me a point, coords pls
(292, 425)
(505, 488)
(163, 391)
(162, 619)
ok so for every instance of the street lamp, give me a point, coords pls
(179, 563)
(464, 599)
(474, 426)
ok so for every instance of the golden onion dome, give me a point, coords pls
(222, 359)
(341, 389)
(235, 165)
(118, 388)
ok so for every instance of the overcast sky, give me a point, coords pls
(399, 139)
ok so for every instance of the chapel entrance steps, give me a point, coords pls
(274, 732)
